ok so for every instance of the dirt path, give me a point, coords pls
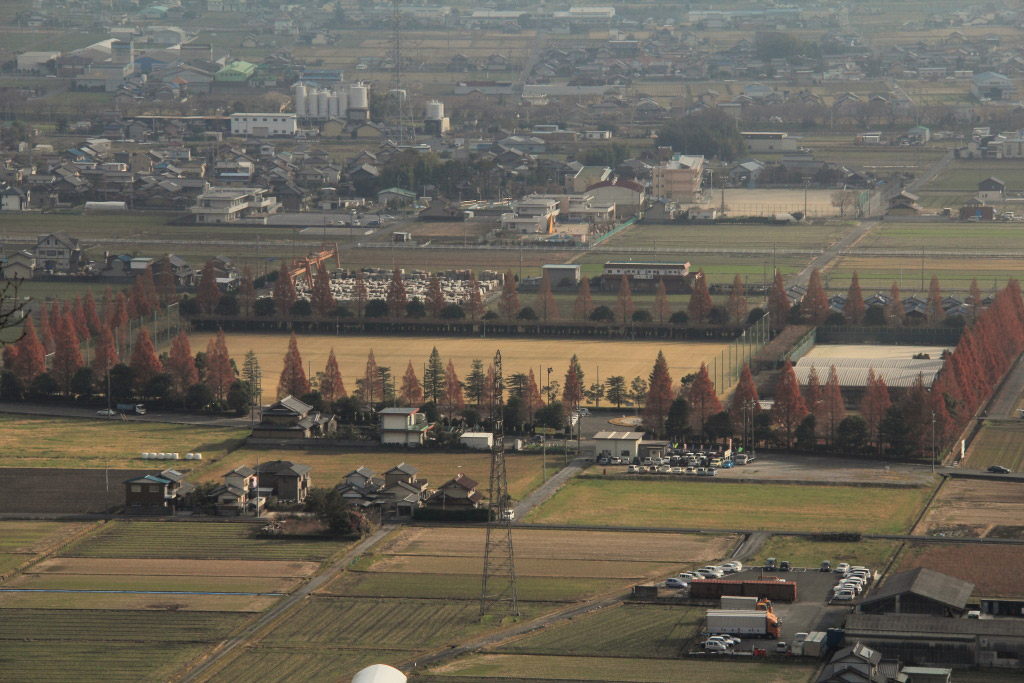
(540, 494)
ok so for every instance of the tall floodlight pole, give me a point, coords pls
(498, 596)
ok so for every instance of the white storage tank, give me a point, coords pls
(359, 97)
(312, 103)
(324, 96)
(341, 100)
(332, 106)
(299, 97)
(435, 111)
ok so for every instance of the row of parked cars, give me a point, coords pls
(712, 571)
(852, 582)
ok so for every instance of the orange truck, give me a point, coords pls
(753, 623)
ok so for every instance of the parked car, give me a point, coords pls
(715, 646)
(692, 471)
(106, 412)
(999, 469)
(781, 648)
(784, 566)
(732, 566)
(844, 594)
(674, 583)
(676, 470)
(728, 638)
(842, 568)
(826, 566)
(633, 469)
(688, 576)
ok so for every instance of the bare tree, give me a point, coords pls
(12, 308)
(842, 200)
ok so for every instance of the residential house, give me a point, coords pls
(458, 493)
(992, 86)
(402, 492)
(991, 189)
(854, 664)
(290, 418)
(19, 266)
(288, 481)
(403, 427)
(230, 205)
(239, 494)
(57, 252)
(903, 204)
(184, 276)
(15, 199)
(156, 494)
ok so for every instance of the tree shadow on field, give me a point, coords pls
(222, 448)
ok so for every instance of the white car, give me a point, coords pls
(673, 582)
(733, 566)
(715, 646)
(845, 594)
(842, 568)
(688, 576)
(106, 412)
(730, 639)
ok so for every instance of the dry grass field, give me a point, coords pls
(176, 602)
(877, 273)
(968, 507)
(626, 358)
(998, 443)
(20, 541)
(994, 570)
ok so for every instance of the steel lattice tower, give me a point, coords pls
(498, 594)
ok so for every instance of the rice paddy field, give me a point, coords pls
(877, 273)
(783, 507)
(965, 237)
(22, 540)
(971, 507)
(626, 358)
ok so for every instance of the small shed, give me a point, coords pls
(618, 444)
(478, 441)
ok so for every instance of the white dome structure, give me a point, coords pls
(379, 673)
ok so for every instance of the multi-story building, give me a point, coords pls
(264, 124)
(233, 204)
(679, 178)
(58, 253)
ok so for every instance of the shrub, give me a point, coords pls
(642, 316)
(263, 307)
(679, 318)
(602, 314)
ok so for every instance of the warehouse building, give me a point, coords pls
(940, 641)
(919, 591)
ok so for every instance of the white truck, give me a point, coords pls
(744, 622)
(739, 602)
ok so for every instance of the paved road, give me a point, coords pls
(1003, 403)
(272, 614)
(832, 253)
(150, 416)
(540, 494)
(749, 547)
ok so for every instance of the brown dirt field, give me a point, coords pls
(524, 567)
(994, 570)
(980, 505)
(173, 603)
(33, 537)
(101, 566)
(566, 545)
(435, 259)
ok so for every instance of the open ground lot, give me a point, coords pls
(591, 501)
(114, 645)
(683, 237)
(626, 358)
(741, 202)
(970, 507)
(998, 443)
(805, 552)
(27, 489)
(507, 667)
(877, 273)
(993, 569)
(44, 442)
(969, 237)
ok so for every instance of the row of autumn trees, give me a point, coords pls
(397, 304)
(814, 307)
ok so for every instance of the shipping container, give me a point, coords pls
(739, 602)
(743, 622)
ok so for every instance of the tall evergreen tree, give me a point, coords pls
(659, 396)
(92, 318)
(789, 408)
(78, 318)
(700, 304)
(584, 305)
(814, 397)
(219, 375)
(166, 287)
(508, 304)
(372, 383)
(293, 380)
(433, 377)
(246, 292)
(854, 308)
(662, 311)
(474, 304)
(744, 398)
(321, 297)
(181, 365)
(396, 298)
(815, 304)
(360, 296)
(332, 386)
(475, 381)
(531, 398)
(736, 306)
(895, 313)
(67, 357)
(208, 293)
(285, 295)
(451, 397)
(834, 409)
(412, 392)
(624, 303)
(144, 362)
(104, 355)
(572, 389)
(778, 303)
(545, 306)
(140, 298)
(874, 403)
(434, 300)
(616, 391)
(703, 400)
(30, 358)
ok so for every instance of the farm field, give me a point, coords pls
(681, 236)
(877, 273)
(483, 667)
(592, 501)
(970, 507)
(85, 490)
(626, 358)
(20, 541)
(968, 237)
(136, 602)
(994, 570)
(106, 645)
(803, 552)
(34, 580)
(998, 443)
(43, 441)
(621, 631)
(197, 540)
(963, 175)
(329, 468)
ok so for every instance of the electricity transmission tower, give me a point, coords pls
(498, 595)
(397, 91)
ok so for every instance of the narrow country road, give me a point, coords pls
(282, 606)
(540, 494)
(1004, 402)
(831, 253)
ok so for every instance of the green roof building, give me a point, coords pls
(236, 72)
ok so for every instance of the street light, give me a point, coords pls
(548, 389)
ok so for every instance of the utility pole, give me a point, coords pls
(933, 442)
